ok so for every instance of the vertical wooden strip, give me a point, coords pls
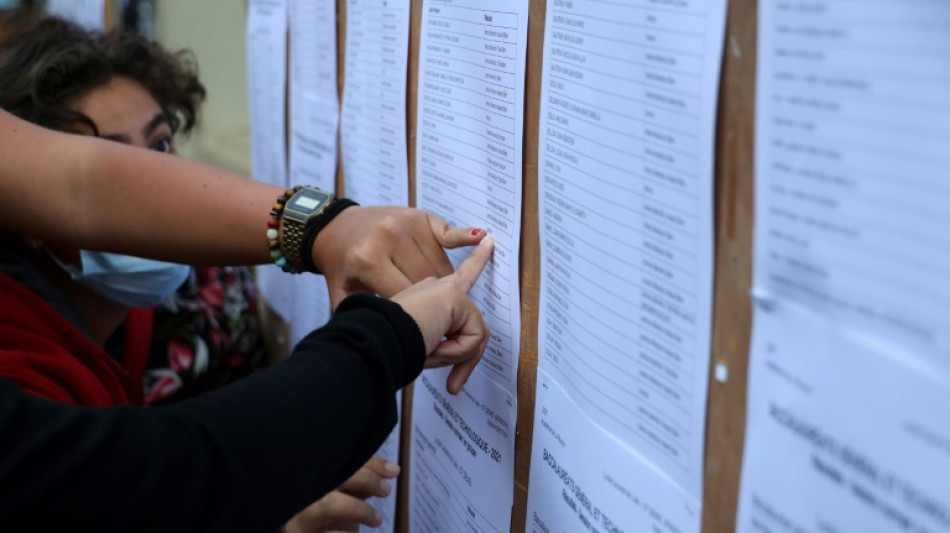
(110, 15)
(415, 18)
(530, 265)
(412, 82)
(725, 424)
(340, 80)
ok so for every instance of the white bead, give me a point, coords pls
(271, 234)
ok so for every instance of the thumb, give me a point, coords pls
(449, 236)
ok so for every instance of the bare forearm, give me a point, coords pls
(102, 195)
(207, 215)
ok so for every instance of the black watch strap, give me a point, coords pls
(313, 228)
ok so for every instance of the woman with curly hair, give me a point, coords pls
(121, 87)
(246, 457)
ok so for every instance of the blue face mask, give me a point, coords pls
(127, 280)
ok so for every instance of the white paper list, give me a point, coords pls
(468, 154)
(852, 135)
(462, 456)
(583, 479)
(389, 450)
(314, 107)
(314, 116)
(469, 162)
(90, 14)
(849, 375)
(266, 82)
(840, 437)
(628, 108)
(373, 131)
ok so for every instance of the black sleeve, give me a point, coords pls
(244, 458)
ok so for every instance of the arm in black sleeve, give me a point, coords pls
(244, 458)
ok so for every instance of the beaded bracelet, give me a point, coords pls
(273, 231)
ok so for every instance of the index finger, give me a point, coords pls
(467, 273)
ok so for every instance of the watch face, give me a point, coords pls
(308, 200)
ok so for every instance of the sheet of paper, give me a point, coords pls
(373, 133)
(584, 479)
(468, 171)
(462, 456)
(390, 451)
(851, 163)
(848, 368)
(373, 130)
(628, 109)
(314, 107)
(266, 82)
(468, 154)
(314, 120)
(90, 14)
(840, 437)
(309, 304)
(314, 117)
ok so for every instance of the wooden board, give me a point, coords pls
(412, 79)
(725, 423)
(530, 258)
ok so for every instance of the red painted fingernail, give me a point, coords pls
(477, 231)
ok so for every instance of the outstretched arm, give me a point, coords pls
(102, 195)
(246, 457)
(250, 455)
(97, 194)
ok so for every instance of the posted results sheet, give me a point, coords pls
(314, 112)
(314, 117)
(469, 172)
(386, 505)
(266, 81)
(849, 378)
(266, 85)
(584, 479)
(90, 14)
(314, 105)
(373, 132)
(628, 109)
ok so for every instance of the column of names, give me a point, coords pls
(373, 131)
(625, 185)
(469, 151)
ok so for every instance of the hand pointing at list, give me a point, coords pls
(453, 328)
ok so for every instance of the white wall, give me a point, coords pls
(214, 31)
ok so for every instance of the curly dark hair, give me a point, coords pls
(49, 63)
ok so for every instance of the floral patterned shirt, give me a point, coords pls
(207, 334)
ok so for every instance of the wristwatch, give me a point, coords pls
(303, 209)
